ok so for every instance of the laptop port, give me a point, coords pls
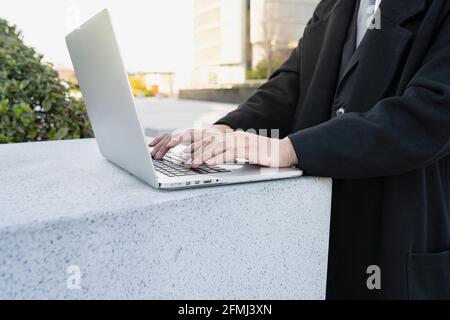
(207, 181)
(188, 183)
(197, 182)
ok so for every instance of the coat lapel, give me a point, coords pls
(381, 53)
(381, 50)
(322, 46)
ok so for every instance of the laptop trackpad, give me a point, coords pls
(231, 167)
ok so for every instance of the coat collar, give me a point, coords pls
(393, 14)
(381, 52)
(322, 47)
(397, 11)
(400, 11)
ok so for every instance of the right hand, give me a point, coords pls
(165, 142)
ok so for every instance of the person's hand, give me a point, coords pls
(165, 142)
(221, 148)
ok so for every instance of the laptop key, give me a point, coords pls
(172, 166)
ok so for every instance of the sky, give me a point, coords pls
(153, 35)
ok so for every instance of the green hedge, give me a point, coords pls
(262, 69)
(34, 104)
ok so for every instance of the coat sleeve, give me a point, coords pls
(272, 106)
(396, 136)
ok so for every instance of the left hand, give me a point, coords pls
(220, 148)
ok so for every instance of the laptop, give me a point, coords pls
(111, 108)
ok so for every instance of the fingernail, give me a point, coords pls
(196, 164)
(158, 155)
(172, 143)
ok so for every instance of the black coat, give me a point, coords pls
(388, 155)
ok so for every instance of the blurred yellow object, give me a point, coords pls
(138, 83)
(139, 86)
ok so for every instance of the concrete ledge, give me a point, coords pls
(232, 95)
(62, 204)
(166, 115)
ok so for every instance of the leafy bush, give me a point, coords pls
(34, 104)
(262, 69)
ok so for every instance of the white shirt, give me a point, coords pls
(367, 11)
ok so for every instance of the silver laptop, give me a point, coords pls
(111, 107)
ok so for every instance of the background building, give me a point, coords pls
(232, 37)
(220, 41)
(276, 27)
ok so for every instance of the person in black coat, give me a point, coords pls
(379, 125)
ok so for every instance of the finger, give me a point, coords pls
(194, 137)
(218, 146)
(157, 152)
(188, 136)
(162, 151)
(156, 148)
(198, 145)
(221, 158)
(157, 140)
(199, 157)
(176, 139)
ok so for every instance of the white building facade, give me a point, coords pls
(277, 25)
(220, 41)
(232, 36)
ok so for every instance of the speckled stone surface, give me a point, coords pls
(62, 204)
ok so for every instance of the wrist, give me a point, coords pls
(222, 127)
(288, 152)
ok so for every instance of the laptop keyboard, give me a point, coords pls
(172, 165)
